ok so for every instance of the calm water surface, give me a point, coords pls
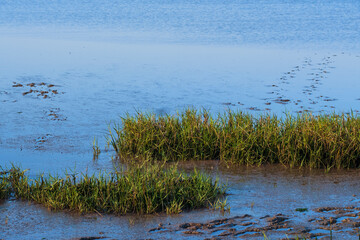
(108, 58)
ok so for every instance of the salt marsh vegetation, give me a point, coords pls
(306, 140)
(140, 189)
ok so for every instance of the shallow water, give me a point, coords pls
(262, 191)
(108, 58)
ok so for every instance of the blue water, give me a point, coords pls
(266, 22)
(108, 58)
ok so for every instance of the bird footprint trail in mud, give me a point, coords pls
(310, 73)
(33, 89)
(320, 73)
(299, 87)
(55, 114)
(40, 141)
(43, 90)
(4, 96)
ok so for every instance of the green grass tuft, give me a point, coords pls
(4, 185)
(142, 189)
(301, 209)
(96, 149)
(323, 141)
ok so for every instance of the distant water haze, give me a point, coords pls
(267, 22)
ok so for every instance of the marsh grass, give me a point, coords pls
(141, 189)
(222, 205)
(292, 238)
(301, 209)
(4, 184)
(323, 141)
(96, 149)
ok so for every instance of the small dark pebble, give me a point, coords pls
(192, 232)
(155, 229)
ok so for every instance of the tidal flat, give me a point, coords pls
(70, 69)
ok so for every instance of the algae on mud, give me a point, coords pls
(322, 141)
(143, 189)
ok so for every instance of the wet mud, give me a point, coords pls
(329, 222)
(301, 88)
(38, 90)
(315, 74)
(55, 114)
(272, 200)
(89, 238)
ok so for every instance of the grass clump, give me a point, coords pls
(301, 209)
(96, 149)
(323, 141)
(142, 189)
(4, 185)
